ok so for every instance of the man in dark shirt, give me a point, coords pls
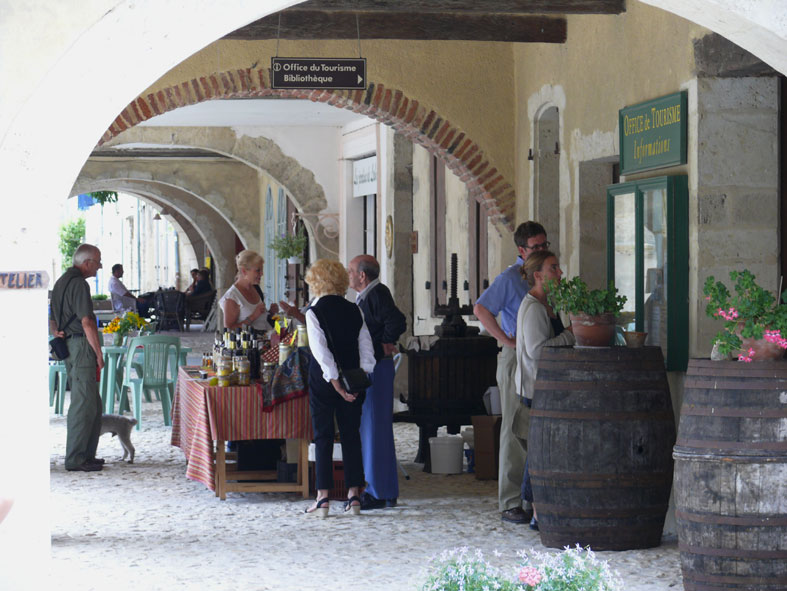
(202, 284)
(72, 318)
(386, 324)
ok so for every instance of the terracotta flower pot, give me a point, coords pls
(593, 331)
(763, 350)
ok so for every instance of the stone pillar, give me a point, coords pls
(736, 219)
(402, 287)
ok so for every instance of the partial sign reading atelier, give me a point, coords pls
(24, 279)
(318, 73)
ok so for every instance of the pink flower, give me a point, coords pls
(529, 576)
(751, 352)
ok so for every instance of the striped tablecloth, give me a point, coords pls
(202, 414)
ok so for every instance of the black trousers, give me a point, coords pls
(325, 403)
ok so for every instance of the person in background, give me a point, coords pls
(72, 318)
(503, 297)
(242, 304)
(386, 324)
(202, 284)
(331, 316)
(122, 299)
(194, 278)
(538, 326)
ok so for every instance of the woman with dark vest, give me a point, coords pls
(338, 337)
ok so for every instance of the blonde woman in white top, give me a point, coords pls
(537, 326)
(242, 304)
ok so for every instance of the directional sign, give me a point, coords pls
(325, 73)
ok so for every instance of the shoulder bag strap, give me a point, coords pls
(62, 301)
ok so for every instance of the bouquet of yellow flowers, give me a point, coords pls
(123, 325)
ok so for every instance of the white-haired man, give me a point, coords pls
(72, 318)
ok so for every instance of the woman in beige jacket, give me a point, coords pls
(538, 326)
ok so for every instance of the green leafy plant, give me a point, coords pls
(72, 234)
(104, 197)
(752, 313)
(574, 569)
(574, 297)
(289, 245)
(462, 570)
(99, 297)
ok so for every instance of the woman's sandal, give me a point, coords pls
(348, 505)
(320, 508)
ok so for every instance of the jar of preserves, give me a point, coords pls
(244, 371)
(224, 370)
(284, 352)
(303, 338)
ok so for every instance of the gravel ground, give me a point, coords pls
(144, 526)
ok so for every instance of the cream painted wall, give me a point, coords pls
(469, 84)
(605, 65)
(601, 54)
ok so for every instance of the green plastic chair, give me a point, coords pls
(57, 385)
(156, 352)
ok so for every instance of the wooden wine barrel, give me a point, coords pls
(731, 476)
(601, 435)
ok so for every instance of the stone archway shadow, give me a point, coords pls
(415, 121)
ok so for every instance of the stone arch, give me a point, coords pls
(259, 153)
(417, 122)
(238, 210)
(215, 231)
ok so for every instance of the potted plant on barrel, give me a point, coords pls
(754, 320)
(592, 311)
(290, 246)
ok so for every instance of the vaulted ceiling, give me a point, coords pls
(517, 21)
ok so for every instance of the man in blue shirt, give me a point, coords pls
(503, 298)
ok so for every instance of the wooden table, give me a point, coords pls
(204, 415)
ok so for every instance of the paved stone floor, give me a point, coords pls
(144, 526)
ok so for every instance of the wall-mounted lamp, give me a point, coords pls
(557, 148)
(530, 154)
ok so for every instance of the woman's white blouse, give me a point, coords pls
(246, 308)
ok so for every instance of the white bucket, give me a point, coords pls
(446, 454)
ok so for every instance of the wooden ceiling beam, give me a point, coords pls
(468, 6)
(304, 24)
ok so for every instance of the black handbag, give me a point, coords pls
(354, 380)
(58, 348)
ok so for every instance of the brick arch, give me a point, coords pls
(392, 107)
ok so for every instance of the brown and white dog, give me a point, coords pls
(120, 426)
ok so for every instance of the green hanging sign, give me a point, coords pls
(653, 133)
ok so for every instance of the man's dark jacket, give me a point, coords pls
(385, 321)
